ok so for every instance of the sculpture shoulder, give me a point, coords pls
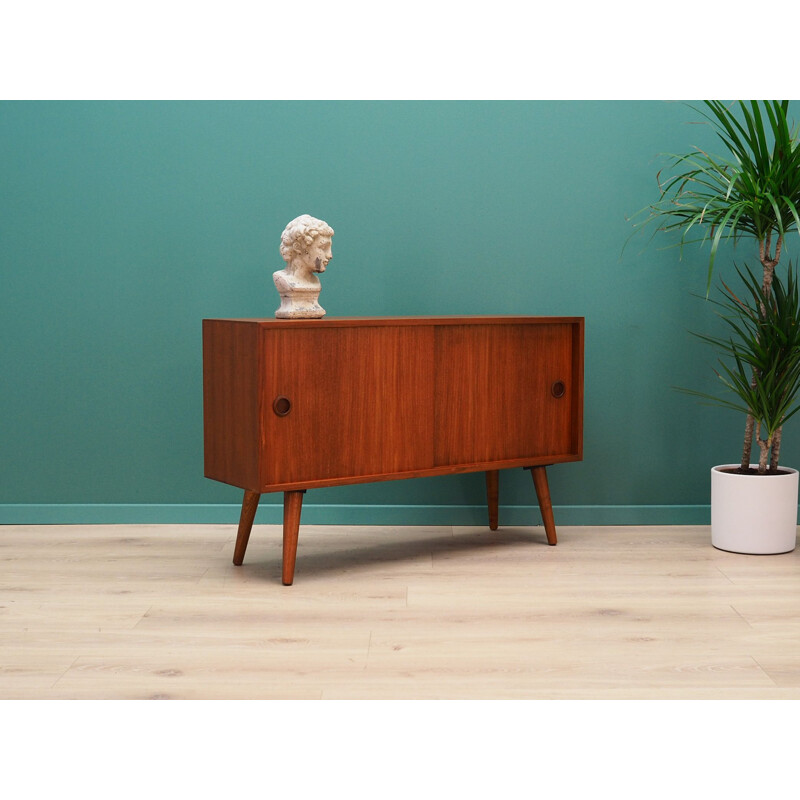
(287, 281)
(282, 279)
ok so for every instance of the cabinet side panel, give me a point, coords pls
(361, 400)
(577, 394)
(231, 399)
(495, 397)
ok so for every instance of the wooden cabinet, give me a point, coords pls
(291, 405)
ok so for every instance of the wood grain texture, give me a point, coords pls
(361, 400)
(494, 397)
(149, 611)
(377, 399)
(232, 396)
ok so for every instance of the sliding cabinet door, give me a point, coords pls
(506, 391)
(347, 402)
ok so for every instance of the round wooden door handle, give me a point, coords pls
(282, 405)
(558, 389)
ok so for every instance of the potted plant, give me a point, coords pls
(751, 193)
(754, 508)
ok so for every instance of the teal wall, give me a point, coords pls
(123, 224)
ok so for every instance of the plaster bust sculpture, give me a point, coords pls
(306, 249)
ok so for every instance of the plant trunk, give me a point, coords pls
(748, 438)
(768, 263)
(776, 449)
(764, 446)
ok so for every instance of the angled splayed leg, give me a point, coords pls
(249, 508)
(292, 506)
(545, 506)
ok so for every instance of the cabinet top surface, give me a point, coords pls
(344, 322)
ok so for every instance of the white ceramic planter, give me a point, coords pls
(753, 513)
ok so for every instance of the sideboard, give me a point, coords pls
(292, 405)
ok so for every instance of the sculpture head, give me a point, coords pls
(306, 244)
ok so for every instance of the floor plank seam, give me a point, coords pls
(369, 646)
(142, 618)
(77, 658)
(744, 619)
(727, 577)
(766, 673)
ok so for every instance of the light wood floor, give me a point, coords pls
(159, 611)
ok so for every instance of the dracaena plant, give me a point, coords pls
(752, 192)
(760, 357)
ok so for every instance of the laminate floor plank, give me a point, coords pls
(159, 612)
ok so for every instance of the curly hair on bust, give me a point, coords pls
(298, 235)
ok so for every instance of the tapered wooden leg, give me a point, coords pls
(292, 505)
(249, 508)
(545, 506)
(492, 493)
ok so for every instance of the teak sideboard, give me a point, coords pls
(291, 405)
